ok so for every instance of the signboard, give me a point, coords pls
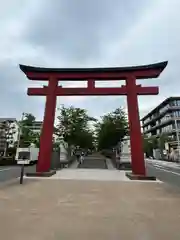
(167, 146)
(164, 152)
(21, 162)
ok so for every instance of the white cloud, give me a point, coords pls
(77, 40)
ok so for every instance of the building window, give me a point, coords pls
(176, 113)
(165, 118)
(147, 120)
(178, 125)
(163, 109)
(167, 128)
(176, 103)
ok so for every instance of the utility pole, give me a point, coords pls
(177, 136)
(6, 136)
(19, 130)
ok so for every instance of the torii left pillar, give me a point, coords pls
(46, 144)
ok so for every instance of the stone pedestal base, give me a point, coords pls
(41, 174)
(133, 176)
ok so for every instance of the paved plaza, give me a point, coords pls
(84, 208)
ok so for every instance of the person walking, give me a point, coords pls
(78, 155)
(82, 158)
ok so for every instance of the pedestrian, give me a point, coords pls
(77, 154)
(82, 158)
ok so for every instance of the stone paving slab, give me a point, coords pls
(71, 209)
(91, 174)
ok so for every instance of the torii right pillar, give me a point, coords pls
(137, 153)
(136, 141)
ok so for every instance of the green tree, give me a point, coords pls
(155, 142)
(85, 139)
(35, 138)
(163, 138)
(149, 144)
(27, 136)
(28, 120)
(111, 129)
(73, 125)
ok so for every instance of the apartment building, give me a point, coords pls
(165, 118)
(37, 126)
(8, 132)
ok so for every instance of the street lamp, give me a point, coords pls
(6, 126)
(177, 136)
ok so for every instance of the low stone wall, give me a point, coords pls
(7, 161)
(111, 155)
(55, 161)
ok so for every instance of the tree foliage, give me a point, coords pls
(155, 142)
(27, 135)
(162, 140)
(73, 125)
(149, 144)
(111, 129)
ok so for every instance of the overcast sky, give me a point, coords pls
(86, 33)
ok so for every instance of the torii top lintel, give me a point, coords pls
(80, 74)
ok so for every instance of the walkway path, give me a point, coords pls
(89, 204)
(99, 210)
(94, 161)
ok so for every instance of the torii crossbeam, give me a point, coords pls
(131, 90)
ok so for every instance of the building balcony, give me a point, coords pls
(160, 115)
(162, 124)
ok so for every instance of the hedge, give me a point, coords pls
(7, 161)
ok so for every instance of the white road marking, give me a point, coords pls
(158, 165)
(5, 169)
(163, 163)
(165, 170)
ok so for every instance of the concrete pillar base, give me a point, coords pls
(133, 176)
(41, 174)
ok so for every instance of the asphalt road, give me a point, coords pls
(164, 171)
(12, 172)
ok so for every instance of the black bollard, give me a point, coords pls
(22, 174)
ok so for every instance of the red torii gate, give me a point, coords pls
(130, 74)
